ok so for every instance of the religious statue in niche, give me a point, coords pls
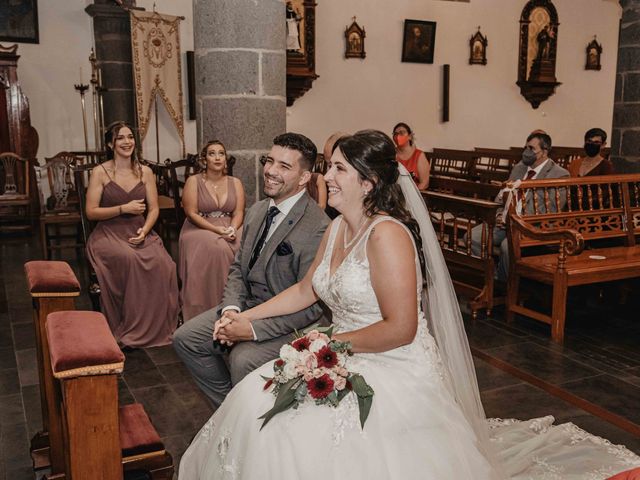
(293, 27)
(478, 49)
(537, 53)
(594, 50)
(354, 37)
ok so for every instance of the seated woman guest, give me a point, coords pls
(210, 237)
(593, 163)
(139, 288)
(413, 159)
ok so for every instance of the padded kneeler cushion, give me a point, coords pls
(627, 475)
(80, 343)
(137, 435)
(51, 279)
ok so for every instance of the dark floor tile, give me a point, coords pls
(484, 335)
(11, 410)
(525, 401)
(176, 445)
(549, 365)
(124, 394)
(163, 355)
(9, 382)
(490, 377)
(166, 411)
(24, 335)
(175, 373)
(20, 473)
(28, 367)
(194, 400)
(6, 338)
(32, 409)
(15, 446)
(21, 314)
(7, 358)
(609, 392)
(140, 371)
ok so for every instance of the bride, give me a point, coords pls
(380, 270)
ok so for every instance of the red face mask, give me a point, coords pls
(401, 140)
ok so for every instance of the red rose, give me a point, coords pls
(268, 384)
(301, 344)
(320, 387)
(279, 362)
(326, 357)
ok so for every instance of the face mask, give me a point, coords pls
(592, 149)
(528, 157)
(401, 140)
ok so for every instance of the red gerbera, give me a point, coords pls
(320, 387)
(301, 344)
(279, 362)
(326, 357)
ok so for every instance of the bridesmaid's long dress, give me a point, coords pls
(205, 257)
(139, 287)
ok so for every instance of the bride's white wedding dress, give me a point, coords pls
(415, 429)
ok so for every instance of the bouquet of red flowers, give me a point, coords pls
(314, 365)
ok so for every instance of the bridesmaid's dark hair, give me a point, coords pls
(202, 159)
(110, 135)
(373, 155)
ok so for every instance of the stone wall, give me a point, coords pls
(625, 141)
(240, 67)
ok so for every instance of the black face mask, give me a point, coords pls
(592, 149)
(529, 157)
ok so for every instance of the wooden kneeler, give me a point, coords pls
(99, 438)
(53, 287)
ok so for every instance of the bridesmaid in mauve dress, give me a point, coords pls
(139, 288)
(210, 237)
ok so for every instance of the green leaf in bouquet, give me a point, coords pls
(364, 393)
(301, 392)
(343, 393)
(284, 401)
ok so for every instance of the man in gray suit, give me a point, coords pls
(281, 235)
(535, 165)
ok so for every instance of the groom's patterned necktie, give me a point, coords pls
(271, 214)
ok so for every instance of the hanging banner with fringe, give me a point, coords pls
(157, 68)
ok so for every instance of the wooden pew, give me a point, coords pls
(453, 218)
(452, 163)
(493, 164)
(602, 212)
(464, 188)
(53, 287)
(100, 439)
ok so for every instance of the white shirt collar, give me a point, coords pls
(286, 205)
(538, 169)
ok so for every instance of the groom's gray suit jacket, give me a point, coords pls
(284, 261)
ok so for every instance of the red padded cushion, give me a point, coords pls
(627, 475)
(50, 277)
(82, 340)
(137, 435)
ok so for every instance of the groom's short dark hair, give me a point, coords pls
(300, 143)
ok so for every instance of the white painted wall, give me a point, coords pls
(48, 70)
(486, 106)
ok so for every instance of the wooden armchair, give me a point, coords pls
(81, 175)
(15, 201)
(169, 217)
(62, 207)
(183, 168)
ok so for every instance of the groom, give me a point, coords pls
(281, 235)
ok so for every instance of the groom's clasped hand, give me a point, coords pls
(231, 328)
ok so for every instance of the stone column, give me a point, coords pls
(240, 71)
(112, 33)
(625, 141)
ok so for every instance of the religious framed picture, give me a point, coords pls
(19, 21)
(354, 38)
(418, 41)
(594, 50)
(478, 49)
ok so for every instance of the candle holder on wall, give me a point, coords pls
(537, 52)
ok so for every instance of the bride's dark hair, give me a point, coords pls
(373, 155)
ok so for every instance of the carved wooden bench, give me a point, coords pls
(53, 287)
(100, 439)
(453, 217)
(601, 212)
